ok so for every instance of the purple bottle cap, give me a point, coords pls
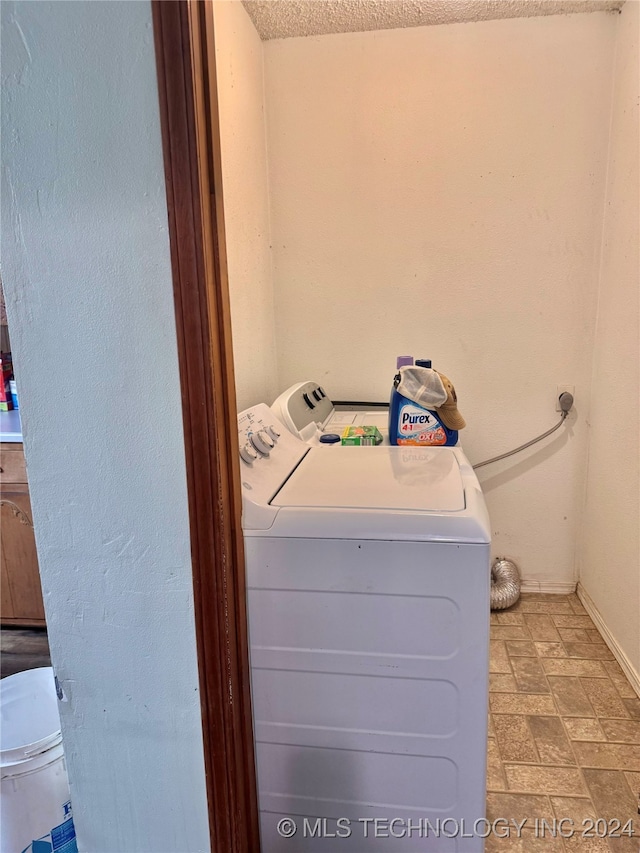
(404, 361)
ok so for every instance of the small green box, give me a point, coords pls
(361, 436)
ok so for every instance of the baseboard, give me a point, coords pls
(554, 587)
(623, 660)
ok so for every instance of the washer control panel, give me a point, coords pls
(268, 454)
(302, 406)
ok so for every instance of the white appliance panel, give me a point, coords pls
(357, 841)
(420, 479)
(306, 410)
(303, 405)
(340, 419)
(428, 708)
(355, 621)
(370, 684)
(354, 783)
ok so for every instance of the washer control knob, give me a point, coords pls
(272, 432)
(263, 443)
(248, 454)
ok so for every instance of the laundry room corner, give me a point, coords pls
(609, 536)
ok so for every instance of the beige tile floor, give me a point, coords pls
(564, 731)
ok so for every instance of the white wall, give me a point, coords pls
(246, 202)
(609, 570)
(86, 272)
(438, 191)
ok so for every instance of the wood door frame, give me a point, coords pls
(184, 43)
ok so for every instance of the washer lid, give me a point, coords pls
(413, 479)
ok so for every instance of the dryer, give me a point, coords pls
(368, 579)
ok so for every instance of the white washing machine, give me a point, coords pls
(368, 577)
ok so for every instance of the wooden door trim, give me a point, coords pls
(188, 110)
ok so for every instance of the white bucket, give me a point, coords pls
(36, 810)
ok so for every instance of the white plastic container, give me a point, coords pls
(35, 789)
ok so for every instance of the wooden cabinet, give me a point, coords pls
(21, 601)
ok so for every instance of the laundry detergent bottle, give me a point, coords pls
(411, 423)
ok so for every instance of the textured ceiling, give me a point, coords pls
(275, 19)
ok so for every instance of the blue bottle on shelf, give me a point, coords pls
(412, 424)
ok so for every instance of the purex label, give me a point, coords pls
(419, 426)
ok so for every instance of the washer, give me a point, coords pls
(368, 578)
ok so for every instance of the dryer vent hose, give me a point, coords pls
(505, 584)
